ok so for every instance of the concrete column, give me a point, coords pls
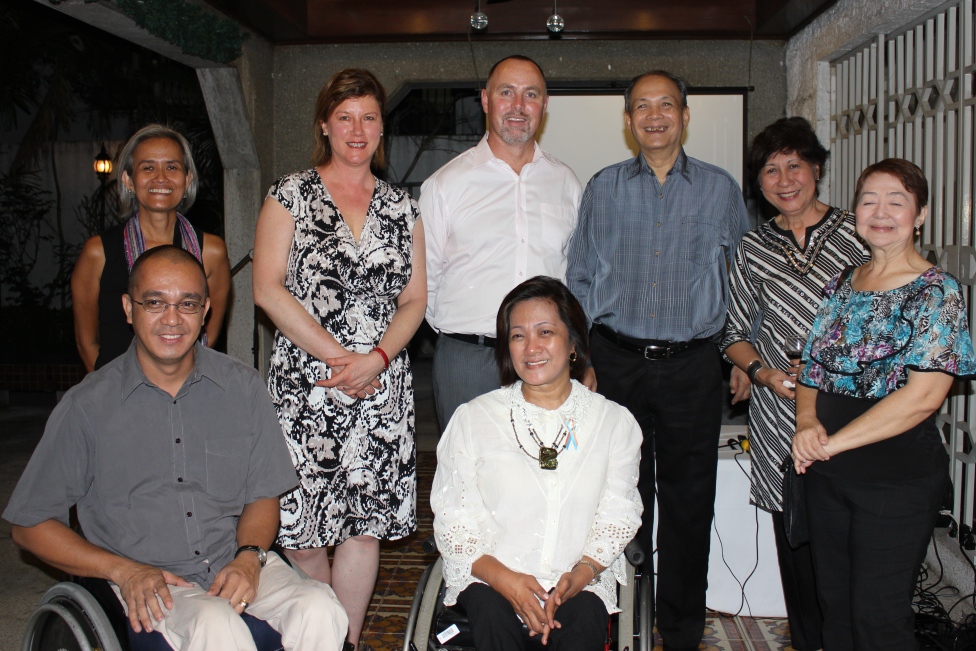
(242, 196)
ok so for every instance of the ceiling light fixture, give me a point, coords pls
(479, 20)
(555, 23)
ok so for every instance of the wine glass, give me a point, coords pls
(793, 347)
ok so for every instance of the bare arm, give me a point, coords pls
(743, 353)
(899, 411)
(810, 435)
(238, 580)
(142, 586)
(360, 371)
(85, 280)
(217, 266)
(272, 245)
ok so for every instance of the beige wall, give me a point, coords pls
(300, 72)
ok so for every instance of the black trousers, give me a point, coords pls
(678, 404)
(799, 590)
(869, 540)
(496, 627)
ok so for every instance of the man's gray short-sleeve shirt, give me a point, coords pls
(158, 479)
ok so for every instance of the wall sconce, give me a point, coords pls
(555, 23)
(479, 20)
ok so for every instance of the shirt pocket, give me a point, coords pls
(557, 222)
(703, 243)
(226, 469)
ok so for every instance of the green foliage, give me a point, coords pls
(23, 228)
(197, 32)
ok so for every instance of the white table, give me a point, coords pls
(734, 542)
(735, 546)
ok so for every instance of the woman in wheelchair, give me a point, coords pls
(535, 494)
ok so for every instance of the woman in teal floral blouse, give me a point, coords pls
(882, 356)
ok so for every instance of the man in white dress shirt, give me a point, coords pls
(495, 216)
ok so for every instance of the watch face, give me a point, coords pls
(262, 556)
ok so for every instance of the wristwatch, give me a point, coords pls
(262, 555)
(593, 568)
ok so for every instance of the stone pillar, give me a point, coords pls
(242, 197)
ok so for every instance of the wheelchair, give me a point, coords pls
(83, 614)
(630, 630)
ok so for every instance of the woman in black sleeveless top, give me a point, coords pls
(157, 178)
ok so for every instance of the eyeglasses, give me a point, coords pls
(155, 306)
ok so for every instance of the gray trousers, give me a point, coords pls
(462, 372)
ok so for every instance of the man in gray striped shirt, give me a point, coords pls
(649, 263)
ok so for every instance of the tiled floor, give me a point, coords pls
(403, 562)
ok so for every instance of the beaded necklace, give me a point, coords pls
(547, 454)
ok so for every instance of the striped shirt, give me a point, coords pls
(648, 260)
(778, 286)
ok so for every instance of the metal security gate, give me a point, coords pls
(911, 94)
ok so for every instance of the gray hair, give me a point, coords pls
(127, 200)
(678, 81)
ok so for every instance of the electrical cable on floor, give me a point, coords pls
(743, 599)
(933, 622)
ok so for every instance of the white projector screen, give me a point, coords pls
(587, 132)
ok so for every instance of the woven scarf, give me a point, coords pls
(135, 244)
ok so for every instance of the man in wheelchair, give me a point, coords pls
(175, 459)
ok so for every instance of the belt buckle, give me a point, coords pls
(657, 352)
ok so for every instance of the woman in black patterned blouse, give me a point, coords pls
(777, 281)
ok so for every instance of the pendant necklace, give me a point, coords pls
(547, 454)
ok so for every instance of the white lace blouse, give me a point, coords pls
(490, 497)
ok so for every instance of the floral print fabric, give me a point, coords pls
(863, 343)
(356, 457)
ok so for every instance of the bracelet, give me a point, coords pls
(593, 568)
(753, 369)
(386, 360)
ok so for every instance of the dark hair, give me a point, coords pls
(171, 253)
(515, 57)
(787, 135)
(127, 199)
(678, 81)
(570, 313)
(346, 84)
(908, 174)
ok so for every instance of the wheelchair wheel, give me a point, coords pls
(422, 609)
(69, 619)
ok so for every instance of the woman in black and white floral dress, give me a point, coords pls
(339, 268)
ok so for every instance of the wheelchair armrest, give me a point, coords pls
(634, 553)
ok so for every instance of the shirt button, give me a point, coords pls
(660, 196)
(520, 273)
(174, 402)
(657, 253)
(659, 224)
(653, 284)
(178, 440)
(189, 514)
(179, 479)
(197, 552)
(652, 315)
(523, 241)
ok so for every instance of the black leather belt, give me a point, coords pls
(649, 348)
(478, 340)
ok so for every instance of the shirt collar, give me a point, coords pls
(638, 164)
(203, 367)
(483, 154)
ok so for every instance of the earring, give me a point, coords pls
(572, 357)
(918, 230)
